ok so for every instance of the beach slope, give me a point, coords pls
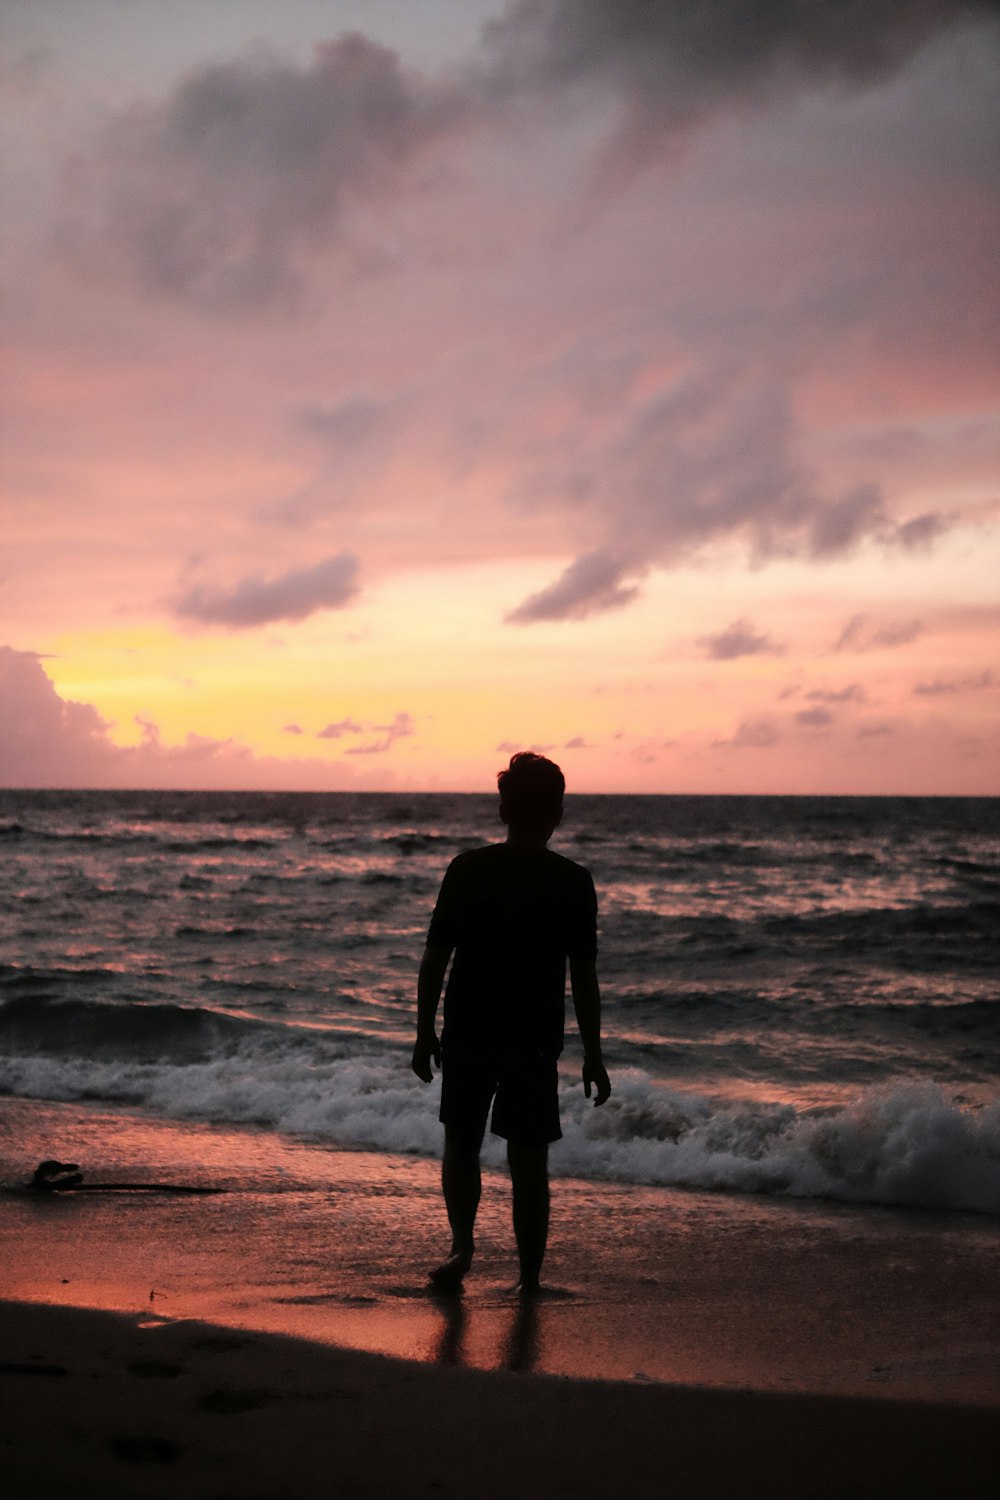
(101, 1405)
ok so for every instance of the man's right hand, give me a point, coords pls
(595, 1075)
(426, 1050)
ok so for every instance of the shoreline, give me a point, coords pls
(109, 1405)
(653, 1285)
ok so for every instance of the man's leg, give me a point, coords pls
(529, 1175)
(461, 1183)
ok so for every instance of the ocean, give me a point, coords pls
(800, 994)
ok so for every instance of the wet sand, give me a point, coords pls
(278, 1340)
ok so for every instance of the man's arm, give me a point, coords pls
(587, 1004)
(429, 982)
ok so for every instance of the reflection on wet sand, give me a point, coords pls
(519, 1345)
(520, 1348)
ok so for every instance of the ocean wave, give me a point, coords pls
(90, 1032)
(220, 841)
(957, 936)
(419, 842)
(953, 919)
(212, 934)
(16, 979)
(904, 1144)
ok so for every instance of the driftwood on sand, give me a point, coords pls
(51, 1176)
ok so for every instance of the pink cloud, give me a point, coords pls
(751, 734)
(592, 584)
(863, 634)
(295, 595)
(738, 639)
(50, 741)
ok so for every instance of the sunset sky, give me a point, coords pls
(391, 384)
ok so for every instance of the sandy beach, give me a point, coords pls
(99, 1405)
(277, 1340)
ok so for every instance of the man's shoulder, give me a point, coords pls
(472, 857)
(496, 857)
(569, 868)
(572, 864)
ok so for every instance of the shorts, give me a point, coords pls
(524, 1092)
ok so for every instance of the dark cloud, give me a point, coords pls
(577, 743)
(329, 584)
(670, 65)
(861, 633)
(738, 639)
(875, 731)
(836, 525)
(223, 193)
(920, 533)
(814, 718)
(590, 585)
(292, 729)
(712, 457)
(946, 687)
(247, 179)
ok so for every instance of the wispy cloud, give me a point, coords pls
(590, 585)
(814, 718)
(941, 687)
(861, 633)
(854, 692)
(401, 727)
(751, 734)
(738, 639)
(338, 730)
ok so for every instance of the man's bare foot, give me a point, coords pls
(528, 1286)
(449, 1275)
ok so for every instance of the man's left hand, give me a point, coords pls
(595, 1075)
(425, 1051)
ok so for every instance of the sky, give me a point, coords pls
(390, 385)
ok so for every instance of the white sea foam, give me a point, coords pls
(906, 1144)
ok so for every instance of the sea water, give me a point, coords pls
(800, 994)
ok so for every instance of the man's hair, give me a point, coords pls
(531, 791)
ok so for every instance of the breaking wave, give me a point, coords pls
(903, 1144)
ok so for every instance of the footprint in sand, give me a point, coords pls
(157, 1369)
(144, 1450)
(223, 1343)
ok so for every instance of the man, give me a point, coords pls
(512, 913)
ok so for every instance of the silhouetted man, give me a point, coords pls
(512, 913)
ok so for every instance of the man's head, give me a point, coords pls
(531, 795)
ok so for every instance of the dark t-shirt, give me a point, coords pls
(513, 915)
